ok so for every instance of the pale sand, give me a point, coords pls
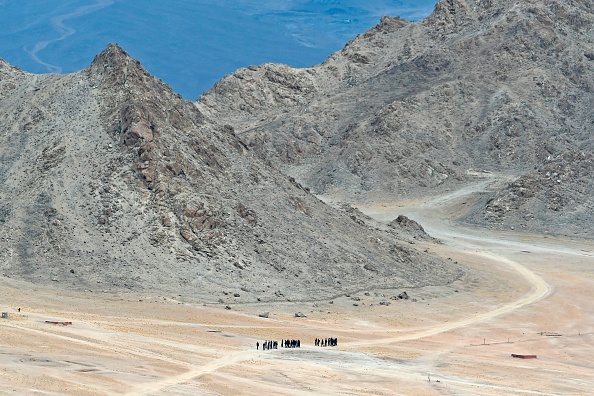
(522, 294)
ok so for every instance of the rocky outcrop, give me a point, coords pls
(411, 227)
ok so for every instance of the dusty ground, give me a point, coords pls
(523, 294)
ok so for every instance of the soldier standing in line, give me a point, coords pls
(258, 345)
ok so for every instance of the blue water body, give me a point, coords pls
(190, 44)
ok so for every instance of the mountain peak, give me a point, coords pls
(112, 55)
(116, 67)
(453, 12)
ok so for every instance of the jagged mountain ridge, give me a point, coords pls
(411, 109)
(111, 181)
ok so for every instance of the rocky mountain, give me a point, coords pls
(413, 109)
(110, 181)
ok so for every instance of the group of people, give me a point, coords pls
(291, 343)
(274, 344)
(324, 342)
(267, 345)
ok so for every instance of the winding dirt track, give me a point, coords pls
(232, 358)
(432, 215)
(156, 347)
(539, 289)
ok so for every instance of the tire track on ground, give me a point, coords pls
(539, 290)
(211, 367)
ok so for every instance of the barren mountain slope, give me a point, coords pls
(408, 109)
(557, 197)
(110, 181)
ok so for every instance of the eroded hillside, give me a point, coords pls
(110, 181)
(413, 109)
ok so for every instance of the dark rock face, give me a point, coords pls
(408, 109)
(110, 172)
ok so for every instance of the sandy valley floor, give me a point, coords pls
(523, 294)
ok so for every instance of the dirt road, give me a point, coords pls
(522, 294)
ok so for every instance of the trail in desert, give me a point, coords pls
(522, 295)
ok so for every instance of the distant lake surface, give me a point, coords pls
(190, 44)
